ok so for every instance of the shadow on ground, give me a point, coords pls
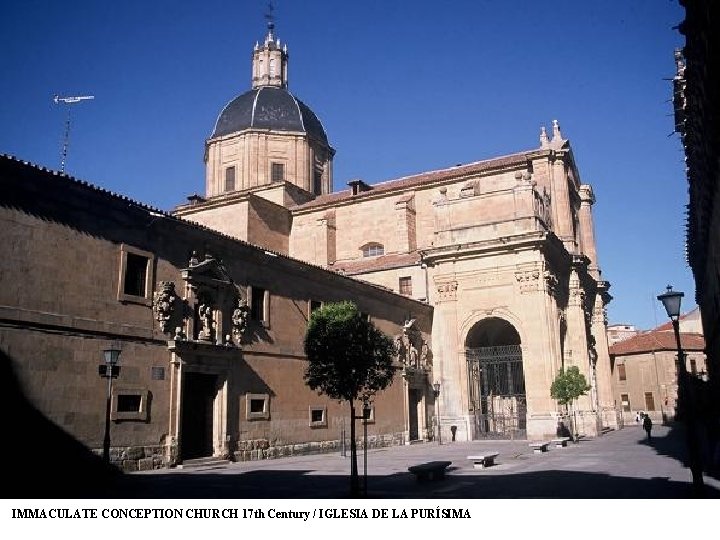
(301, 485)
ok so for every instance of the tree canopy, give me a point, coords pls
(348, 357)
(569, 385)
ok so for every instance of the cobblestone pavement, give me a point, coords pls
(620, 464)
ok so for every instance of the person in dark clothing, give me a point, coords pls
(647, 426)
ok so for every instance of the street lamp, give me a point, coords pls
(366, 418)
(596, 397)
(671, 300)
(109, 370)
(436, 393)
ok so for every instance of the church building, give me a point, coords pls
(486, 275)
(503, 250)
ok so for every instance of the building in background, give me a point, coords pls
(619, 332)
(644, 368)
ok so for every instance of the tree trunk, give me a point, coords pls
(575, 426)
(354, 479)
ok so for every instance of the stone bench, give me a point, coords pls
(433, 470)
(561, 442)
(539, 447)
(484, 460)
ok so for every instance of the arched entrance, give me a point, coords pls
(496, 381)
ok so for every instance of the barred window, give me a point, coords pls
(406, 286)
(373, 249)
(277, 172)
(230, 179)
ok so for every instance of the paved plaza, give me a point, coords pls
(619, 464)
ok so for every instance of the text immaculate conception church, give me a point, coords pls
(503, 249)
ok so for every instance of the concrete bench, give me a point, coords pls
(561, 442)
(485, 460)
(433, 470)
(539, 447)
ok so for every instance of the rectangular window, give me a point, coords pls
(136, 275)
(258, 304)
(317, 182)
(157, 373)
(277, 172)
(406, 286)
(649, 401)
(693, 366)
(257, 406)
(230, 179)
(625, 402)
(129, 405)
(621, 372)
(318, 417)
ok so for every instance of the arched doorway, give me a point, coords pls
(496, 381)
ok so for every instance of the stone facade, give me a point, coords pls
(211, 329)
(503, 249)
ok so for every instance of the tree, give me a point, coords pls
(567, 387)
(348, 358)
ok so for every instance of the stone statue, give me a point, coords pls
(206, 322)
(411, 349)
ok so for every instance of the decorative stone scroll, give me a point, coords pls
(240, 317)
(412, 350)
(165, 305)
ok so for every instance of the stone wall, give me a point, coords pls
(258, 449)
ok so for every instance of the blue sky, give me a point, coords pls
(401, 87)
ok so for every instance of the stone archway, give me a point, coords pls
(496, 380)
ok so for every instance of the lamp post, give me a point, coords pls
(671, 300)
(366, 417)
(596, 397)
(109, 370)
(436, 393)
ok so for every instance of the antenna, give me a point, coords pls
(67, 100)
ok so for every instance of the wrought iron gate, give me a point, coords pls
(497, 392)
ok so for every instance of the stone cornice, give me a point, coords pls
(454, 252)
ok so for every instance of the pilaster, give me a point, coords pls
(562, 214)
(577, 352)
(447, 368)
(587, 229)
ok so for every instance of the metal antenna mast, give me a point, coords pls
(67, 100)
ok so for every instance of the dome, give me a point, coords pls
(268, 107)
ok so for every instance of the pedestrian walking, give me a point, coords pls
(647, 426)
(637, 417)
